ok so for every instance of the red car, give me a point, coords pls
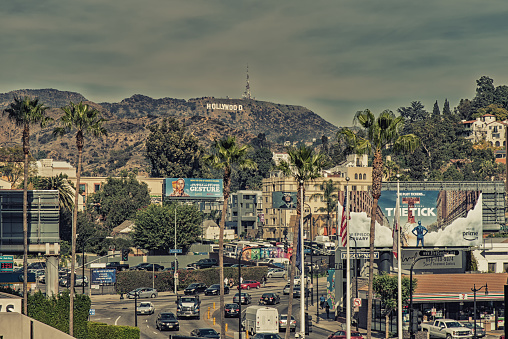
(342, 335)
(248, 284)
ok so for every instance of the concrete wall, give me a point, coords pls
(18, 326)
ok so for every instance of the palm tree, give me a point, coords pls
(24, 112)
(304, 164)
(330, 197)
(380, 133)
(85, 120)
(225, 153)
(59, 182)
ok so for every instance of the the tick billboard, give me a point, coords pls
(427, 219)
(284, 200)
(192, 188)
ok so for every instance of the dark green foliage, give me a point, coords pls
(251, 178)
(415, 112)
(119, 199)
(484, 93)
(172, 152)
(54, 311)
(155, 227)
(101, 330)
(92, 236)
(446, 109)
(126, 281)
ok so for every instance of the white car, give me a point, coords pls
(297, 280)
(277, 273)
(145, 308)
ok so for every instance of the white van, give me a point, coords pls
(261, 319)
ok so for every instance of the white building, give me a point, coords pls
(211, 231)
(50, 168)
(492, 256)
(486, 128)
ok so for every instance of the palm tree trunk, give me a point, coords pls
(293, 262)
(26, 148)
(227, 184)
(377, 176)
(73, 248)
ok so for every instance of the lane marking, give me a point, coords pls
(116, 321)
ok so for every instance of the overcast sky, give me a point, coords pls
(333, 57)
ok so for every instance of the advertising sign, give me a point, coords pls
(192, 188)
(431, 263)
(284, 200)
(104, 276)
(6, 263)
(427, 219)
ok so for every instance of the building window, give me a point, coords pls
(97, 187)
(82, 188)
(364, 176)
(356, 176)
(492, 267)
(353, 188)
(505, 267)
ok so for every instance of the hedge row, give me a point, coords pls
(101, 330)
(126, 281)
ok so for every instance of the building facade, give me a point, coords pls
(244, 212)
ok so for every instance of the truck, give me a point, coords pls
(261, 319)
(446, 328)
(324, 245)
(188, 307)
(117, 265)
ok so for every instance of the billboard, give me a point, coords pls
(192, 188)
(427, 219)
(284, 200)
(103, 276)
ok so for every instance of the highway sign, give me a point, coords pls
(358, 255)
(175, 250)
(438, 253)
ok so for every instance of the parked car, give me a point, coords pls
(277, 273)
(139, 267)
(266, 336)
(231, 310)
(145, 308)
(143, 292)
(167, 321)
(205, 333)
(342, 335)
(283, 323)
(269, 299)
(78, 281)
(194, 288)
(480, 331)
(215, 290)
(117, 265)
(285, 291)
(248, 284)
(151, 267)
(297, 291)
(245, 298)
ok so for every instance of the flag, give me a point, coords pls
(299, 250)
(396, 228)
(343, 224)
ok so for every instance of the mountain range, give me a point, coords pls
(207, 118)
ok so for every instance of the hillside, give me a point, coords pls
(207, 118)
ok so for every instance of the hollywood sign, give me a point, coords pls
(225, 107)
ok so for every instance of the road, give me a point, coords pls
(111, 310)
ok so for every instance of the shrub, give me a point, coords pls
(101, 330)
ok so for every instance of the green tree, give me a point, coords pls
(304, 164)
(381, 132)
(415, 112)
(12, 164)
(26, 111)
(484, 93)
(119, 199)
(500, 112)
(154, 227)
(386, 289)
(86, 121)
(252, 178)
(223, 155)
(172, 152)
(446, 109)
(330, 197)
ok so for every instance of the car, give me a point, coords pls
(231, 311)
(151, 267)
(283, 323)
(277, 273)
(248, 284)
(143, 292)
(139, 267)
(194, 288)
(205, 333)
(297, 291)
(228, 264)
(204, 263)
(167, 321)
(241, 265)
(215, 290)
(79, 280)
(38, 265)
(42, 279)
(269, 299)
(245, 298)
(480, 331)
(267, 336)
(285, 291)
(342, 335)
(297, 280)
(145, 308)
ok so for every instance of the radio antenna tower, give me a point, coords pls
(246, 94)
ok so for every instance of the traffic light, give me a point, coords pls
(176, 265)
(416, 320)
(308, 323)
(125, 254)
(172, 265)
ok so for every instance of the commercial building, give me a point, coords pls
(244, 212)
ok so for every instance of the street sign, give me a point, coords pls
(175, 250)
(176, 275)
(357, 302)
(359, 255)
(438, 253)
(92, 311)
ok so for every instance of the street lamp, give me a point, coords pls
(474, 289)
